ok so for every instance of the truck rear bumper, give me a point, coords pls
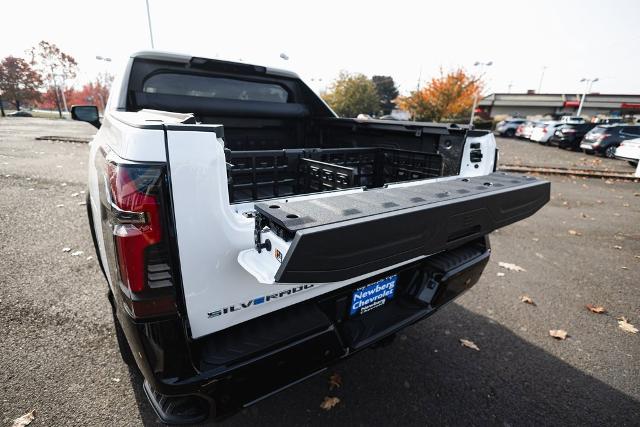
(248, 362)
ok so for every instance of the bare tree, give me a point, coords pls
(53, 64)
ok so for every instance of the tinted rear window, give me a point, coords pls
(598, 130)
(214, 87)
(631, 130)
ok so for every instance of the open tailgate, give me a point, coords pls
(340, 237)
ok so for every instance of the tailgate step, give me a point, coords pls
(340, 237)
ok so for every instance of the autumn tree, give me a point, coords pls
(448, 96)
(387, 92)
(96, 92)
(19, 82)
(55, 67)
(352, 94)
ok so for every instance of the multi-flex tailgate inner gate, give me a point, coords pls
(340, 237)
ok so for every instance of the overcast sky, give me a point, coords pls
(573, 39)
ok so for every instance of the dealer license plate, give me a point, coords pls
(372, 296)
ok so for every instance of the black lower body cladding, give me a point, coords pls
(349, 235)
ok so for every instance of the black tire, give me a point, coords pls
(123, 345)
(510, 133)
(610, 152)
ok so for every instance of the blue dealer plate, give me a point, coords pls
(372, 296)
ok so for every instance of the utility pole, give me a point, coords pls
(149, 20)
(475, 98)
(587, 88)
(541, 77)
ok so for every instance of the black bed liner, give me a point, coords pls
(340, 237)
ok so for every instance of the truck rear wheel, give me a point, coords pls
(123, 345)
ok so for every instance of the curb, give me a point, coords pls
(565, 171)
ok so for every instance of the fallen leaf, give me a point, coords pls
(599, 202)
(66, 249)
(500, 274)
(75, 194)
(82, 203)
(511, 267)
(574, 233)
(617, 247)
(329, 402)
(626, 205)
(24, 420)
(60, 206)
(539, 255)
(116, 380)
(626, 326)
(335, 381)
(624, 268)
(89, 258)
(535, 239)
(558, 334)
(527, 300)
(76, 253)
(469, 344)
(596, 309)
(637, 256)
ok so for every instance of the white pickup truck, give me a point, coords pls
(250, 237)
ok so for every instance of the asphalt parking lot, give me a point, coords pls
(58, 352)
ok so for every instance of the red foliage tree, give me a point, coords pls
(19, 82)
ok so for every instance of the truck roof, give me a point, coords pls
(184, 58)
(118, 102)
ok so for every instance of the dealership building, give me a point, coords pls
(557, 104)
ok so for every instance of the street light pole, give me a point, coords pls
(149, 20)
(475, 97)
(541, 77)
(588, 83)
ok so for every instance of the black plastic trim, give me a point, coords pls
(330, 248)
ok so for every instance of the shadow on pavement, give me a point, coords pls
(426, 377)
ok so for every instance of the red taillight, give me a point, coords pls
(544, 129)
(133, 237)
(134, 230)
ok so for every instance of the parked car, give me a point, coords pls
(570, 135)
(629, 150)
(20, 113)
(604, 139)
(524, 130)
(543, 132)
(508, 127)
(228, 278)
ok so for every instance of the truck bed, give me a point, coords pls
(264, 174)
